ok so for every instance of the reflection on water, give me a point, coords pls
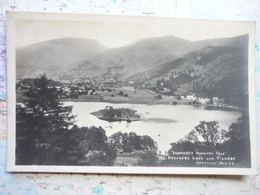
(164, 123)
(159, 120)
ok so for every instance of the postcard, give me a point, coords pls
(131, 95)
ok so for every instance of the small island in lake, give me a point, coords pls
(116, 114)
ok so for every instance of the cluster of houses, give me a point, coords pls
(74, 90)
(204, 101)
(192, 99)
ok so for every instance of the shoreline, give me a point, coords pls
(146, 97)
(161, 102)
(127, 102)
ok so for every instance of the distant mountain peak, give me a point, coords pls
(79, 58)
(55, 56)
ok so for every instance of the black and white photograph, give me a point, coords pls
(125, 94)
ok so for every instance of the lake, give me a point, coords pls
(164, 123)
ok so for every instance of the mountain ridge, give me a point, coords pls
(143, 55)
(54, 56)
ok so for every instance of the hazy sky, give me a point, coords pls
(115, 33)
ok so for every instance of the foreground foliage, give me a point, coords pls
(46, 133)
(142, 148)
(208, 138)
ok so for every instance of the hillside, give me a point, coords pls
(146, 54)
(211, 71)
(134, 58)
(54, 57)
(170, 65)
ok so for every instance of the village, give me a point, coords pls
(112, 89)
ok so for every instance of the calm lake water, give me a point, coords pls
(164, 123)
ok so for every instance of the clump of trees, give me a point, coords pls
(92, 147)
(144, 148)
(238, 141)
(121, 93)
(125, 142)
(207, 137)
(47, 135)
(208, 133)
(41, 121)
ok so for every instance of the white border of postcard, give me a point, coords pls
(12, 17)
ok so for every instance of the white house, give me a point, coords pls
(191, 97)
(204, 101)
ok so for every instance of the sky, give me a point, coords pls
(118, 31)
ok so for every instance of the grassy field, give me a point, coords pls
(138, 96)
(133, 97)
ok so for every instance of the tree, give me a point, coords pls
(146, 158)
(41, 122)
(238, 136)
(239, 129)
(94, 148)
(134, 141)
(46, 133)
(206, 136)
(126, 143)
(142, 148)
(119, 140)
(44, 108)
(74, 94)
(207, 132)
(148, 144)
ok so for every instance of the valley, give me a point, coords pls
(160, 70)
